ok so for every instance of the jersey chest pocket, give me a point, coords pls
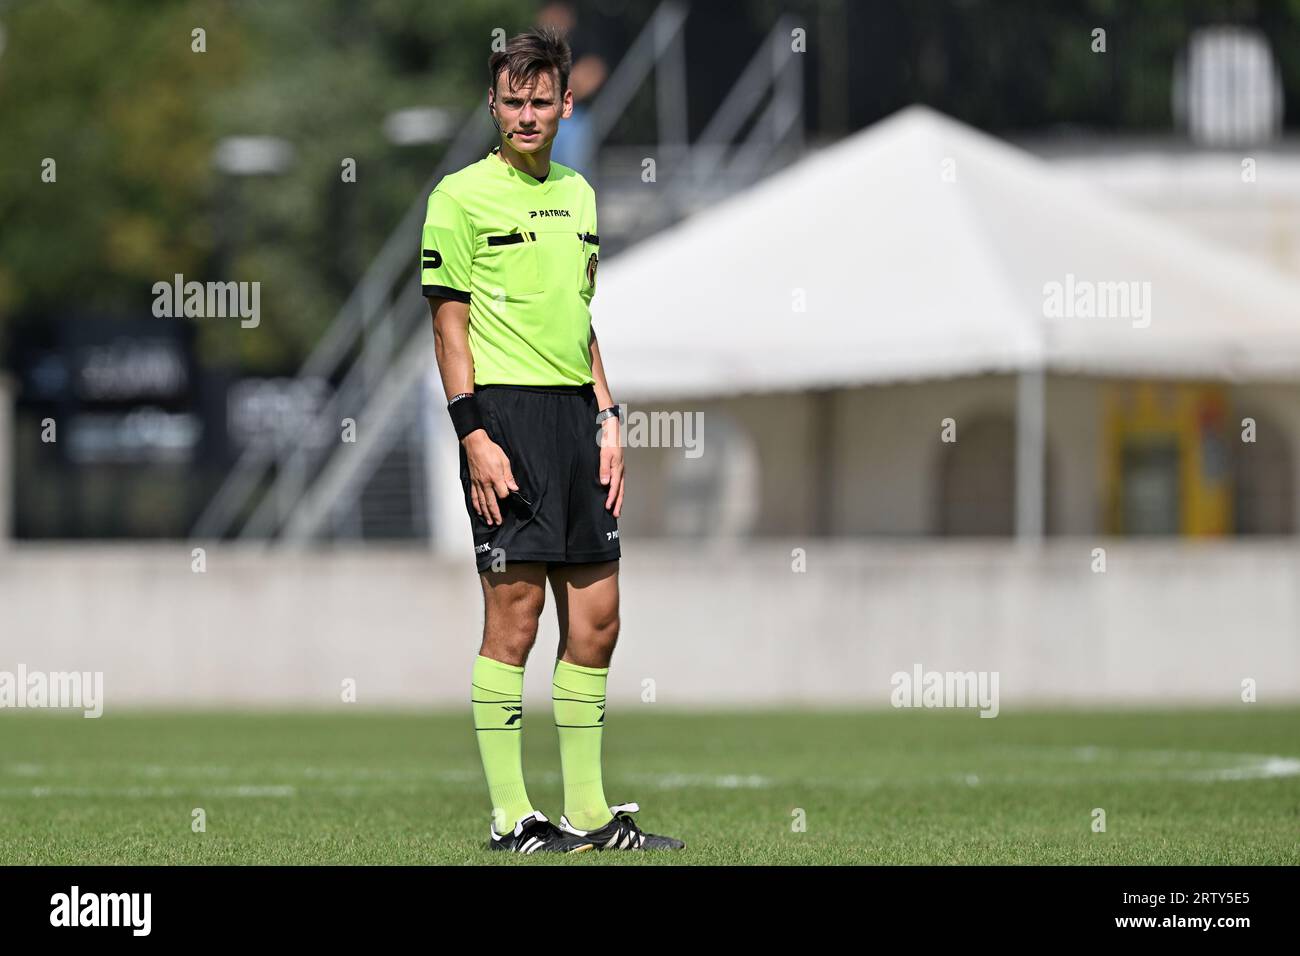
(565, 258)
(512, 264)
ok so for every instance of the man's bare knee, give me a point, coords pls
(602, 630)
(511, 614)
(591, 638)
(511, 634)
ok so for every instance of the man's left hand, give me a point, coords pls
(611, 464)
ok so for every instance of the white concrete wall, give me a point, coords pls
(6, 459)
(1166, 623)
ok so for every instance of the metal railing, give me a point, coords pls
(361, 315)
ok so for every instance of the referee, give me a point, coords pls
(509, 255)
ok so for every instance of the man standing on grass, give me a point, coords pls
(508, 263)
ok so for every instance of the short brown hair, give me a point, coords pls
(538, 50)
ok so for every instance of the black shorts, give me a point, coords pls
(558, 516)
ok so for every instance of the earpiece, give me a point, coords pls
(492, 109)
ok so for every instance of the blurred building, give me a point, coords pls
(825, 326)
(1227, 172)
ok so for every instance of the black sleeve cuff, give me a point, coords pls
(444, 292)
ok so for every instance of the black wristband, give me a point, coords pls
(465, 415)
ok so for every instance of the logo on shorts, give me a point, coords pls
(591, 269)
(484, 547)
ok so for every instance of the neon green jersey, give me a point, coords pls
(523, 254)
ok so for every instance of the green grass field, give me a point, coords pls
(1185, 787)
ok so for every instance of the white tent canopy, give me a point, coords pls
(923, 248)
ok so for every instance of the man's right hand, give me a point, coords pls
(490, 479)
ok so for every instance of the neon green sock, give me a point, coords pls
(579, 697)
(498, 702)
